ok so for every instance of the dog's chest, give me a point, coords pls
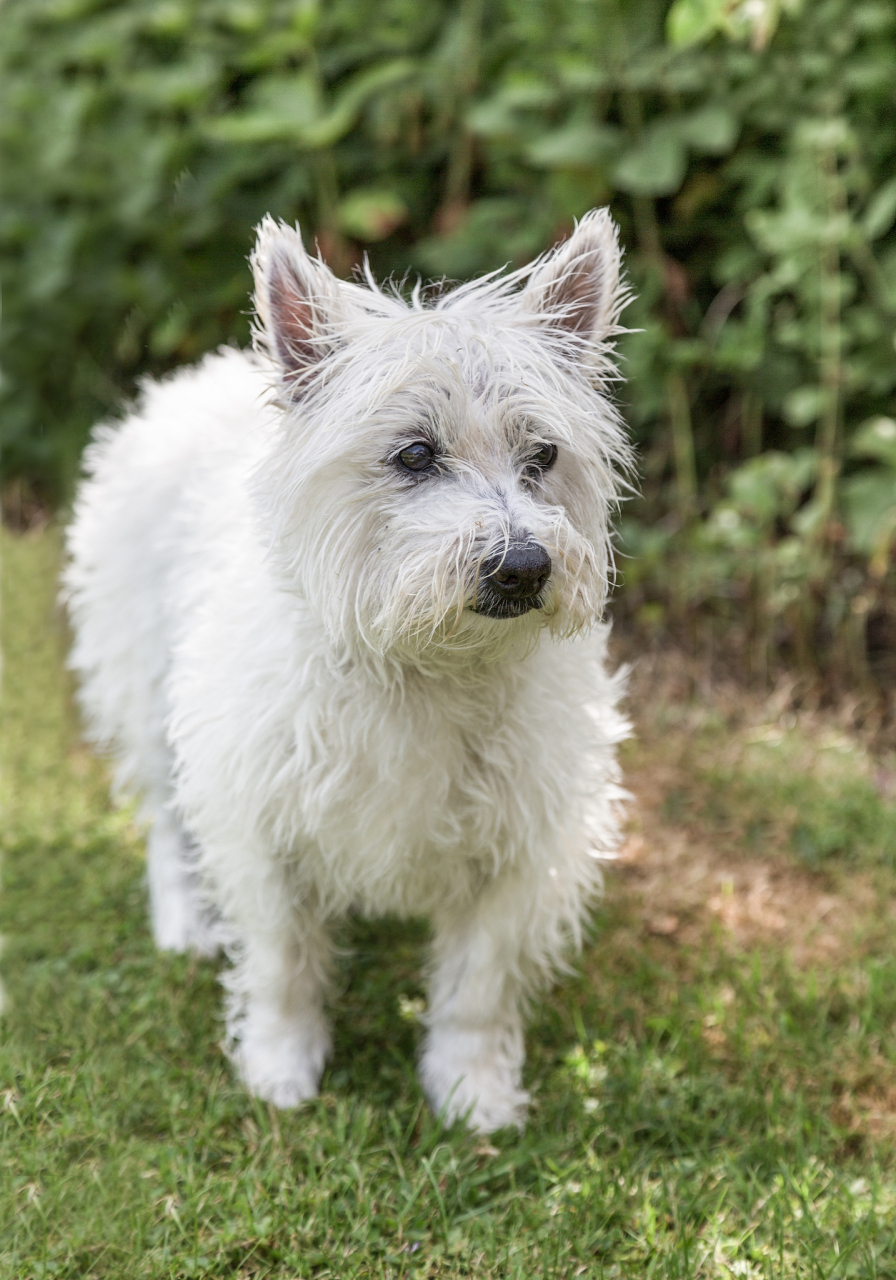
(414, 795)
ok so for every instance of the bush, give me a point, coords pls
(747, 152)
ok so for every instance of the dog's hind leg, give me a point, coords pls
(181, 919)
(278, 1035)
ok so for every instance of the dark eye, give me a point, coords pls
(417, 456)
(543, 457)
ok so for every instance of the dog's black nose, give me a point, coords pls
(518, 573)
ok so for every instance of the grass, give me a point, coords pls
(715, 1084)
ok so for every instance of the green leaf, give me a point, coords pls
(690, 22)
(868, 502)
(577, 145)
(804, 405)
(369, 214)
(526, 93)
(291, 108)
(881, 211)
(876, 439)
(355, 94)
(712, 129)
(284, 107)
(492, 119)
(500, 115)
(185, 84)
(772, 484)
(582, 74)
(168, 19)
(656, 167)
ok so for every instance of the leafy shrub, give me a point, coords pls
(747, 151)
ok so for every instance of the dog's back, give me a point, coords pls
(135, 543)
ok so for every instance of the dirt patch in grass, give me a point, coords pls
(686, 886)
(711, 851)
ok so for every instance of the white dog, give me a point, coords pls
(343, 640)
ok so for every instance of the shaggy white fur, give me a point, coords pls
(304, 629)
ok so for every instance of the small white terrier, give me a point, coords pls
(344, 641)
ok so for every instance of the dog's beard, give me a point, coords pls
(407, 587)
(445, 616)
(468, 636)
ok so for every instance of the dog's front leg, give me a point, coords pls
(487, 957)
(278, 1034)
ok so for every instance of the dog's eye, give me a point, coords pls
(543, 458)
(417, 456)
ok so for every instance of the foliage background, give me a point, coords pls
(747, 151)
(703, 1109)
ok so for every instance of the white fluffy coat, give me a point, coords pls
(278, 638)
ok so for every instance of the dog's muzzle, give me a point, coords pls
(511, 583)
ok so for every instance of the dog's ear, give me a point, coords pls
(577, 285)
(296, 301)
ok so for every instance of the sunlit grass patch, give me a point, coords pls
(702, 1109)
(799, 784)
(809, 789)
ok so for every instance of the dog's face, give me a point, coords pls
(444, 473)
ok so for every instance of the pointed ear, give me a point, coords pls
(577, 286)
(296, 300)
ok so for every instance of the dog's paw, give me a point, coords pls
(283, 1068)
(483, 1101)
(284, 1091)
(474, 1077)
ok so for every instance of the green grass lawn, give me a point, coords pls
(715, 1085)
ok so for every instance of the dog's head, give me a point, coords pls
(447, 465)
